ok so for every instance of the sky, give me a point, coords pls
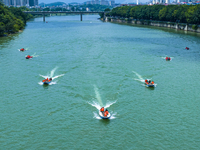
(81, 1)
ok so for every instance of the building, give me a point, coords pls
(160, 1)
(20, 2)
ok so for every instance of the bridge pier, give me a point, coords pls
(43, 17)
(81, 17)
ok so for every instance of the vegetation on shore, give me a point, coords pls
(12, 19)
(174, 13)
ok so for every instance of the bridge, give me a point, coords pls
(43, 13)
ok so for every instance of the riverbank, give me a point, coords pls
(173, 25)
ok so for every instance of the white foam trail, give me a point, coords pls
(96, 115)
(139, 76)
(98, 95)
(53, 71)
(57, 76)
(44, 76)
(34, 55)
(113, 115)
(95, 104)
(41, 83)
(109, 104)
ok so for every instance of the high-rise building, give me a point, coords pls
(20, 2)
(96, 2)
(112, 2)
(103, 2)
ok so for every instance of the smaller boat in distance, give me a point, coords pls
(104, 114)
(167, 58)
(28, 57)
(187, 48)
(149, 83)
(47, 81)
(22, 49)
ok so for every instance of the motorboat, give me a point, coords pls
(28, 57)
(167, 58)
(47, 81)
(149, 83)
(101, 114)
(22, 49)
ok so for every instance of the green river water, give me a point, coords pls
(95, 64)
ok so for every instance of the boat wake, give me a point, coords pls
(139, 77)
(34, 55)
(51, 75)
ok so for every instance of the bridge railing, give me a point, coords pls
(67, 12)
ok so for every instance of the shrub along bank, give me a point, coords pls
(184, 17)
(189, 14)
(12, 19)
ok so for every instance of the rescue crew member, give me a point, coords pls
(102, 109)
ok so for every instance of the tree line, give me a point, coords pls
(12, 19)
(174, 13)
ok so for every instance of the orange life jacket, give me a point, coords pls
(102, 109)
(105, 114)
(152, 82)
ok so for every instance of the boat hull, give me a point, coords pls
(104, 117)
(46, 83)
(29, 57)
(150, 85)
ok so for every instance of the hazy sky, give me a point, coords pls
(81, 1)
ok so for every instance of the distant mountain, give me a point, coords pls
(52, 4)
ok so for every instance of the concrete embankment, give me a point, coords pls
(173, 25)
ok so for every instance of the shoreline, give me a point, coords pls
(172, 25)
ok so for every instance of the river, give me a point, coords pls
(95, 64)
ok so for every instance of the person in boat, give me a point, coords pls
(187, 48)
(47, 80)
(152, 82)
(102, 109)
(149, 81)
(106, 113)
(28, 56)
(22, 49)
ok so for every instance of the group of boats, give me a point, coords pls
(45, 81)
(104, 114)
(28, 56)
